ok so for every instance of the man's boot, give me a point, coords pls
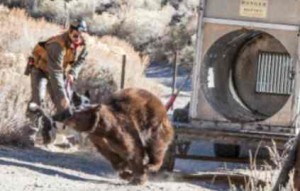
(48, 129)
(42, 123)
(33, 117)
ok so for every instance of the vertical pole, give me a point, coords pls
(123, 71)
(296, 90)
(175, 71)
(193, 112)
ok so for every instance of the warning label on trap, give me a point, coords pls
(254, 8)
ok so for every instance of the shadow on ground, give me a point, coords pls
(33, 158)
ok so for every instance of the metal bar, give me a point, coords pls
(197, 64)
(272, 73)
(282, 75)
(264, 72)
(244, 160)
(297, 87)
(258, 73)
(289, 75)
(251, 24)
(288, 88)
(123, 72)
(288, 81)
(217, 125)
(269, 73)
(267, 66)
(276, 66)
(175, 71)
(223, 178)
(275, 76)
(293, 77)
(286, 73)
(278, 74)
(263, 135)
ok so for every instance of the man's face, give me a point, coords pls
(76, 36)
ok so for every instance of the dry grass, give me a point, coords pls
(14, 91)
(267, 173)
(19, 33)
(141, 25)
(101, 72)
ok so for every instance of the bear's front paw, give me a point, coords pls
(126, 175)
(139, 180)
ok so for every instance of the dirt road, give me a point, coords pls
(38, 169)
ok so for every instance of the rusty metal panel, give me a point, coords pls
(274, 73)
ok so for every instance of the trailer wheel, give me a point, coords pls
(226, 150)
(181, 115)
(169, 160)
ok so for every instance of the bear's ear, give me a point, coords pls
(87, 94)
(96, 107)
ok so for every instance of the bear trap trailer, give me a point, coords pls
(245, 86)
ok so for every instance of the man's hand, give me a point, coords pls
(70, 78)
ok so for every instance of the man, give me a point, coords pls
(54, 63)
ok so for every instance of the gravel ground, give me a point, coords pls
(44, 169)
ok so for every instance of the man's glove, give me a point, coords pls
(63, 116)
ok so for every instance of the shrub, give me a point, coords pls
(141, 26)
(145, 4)
(13, 101)
(104, 24)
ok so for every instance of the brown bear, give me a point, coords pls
(131, 129)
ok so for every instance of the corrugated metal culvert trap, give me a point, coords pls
(275, 73)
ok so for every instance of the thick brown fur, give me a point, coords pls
(133, 132)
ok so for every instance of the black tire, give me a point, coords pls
(181, 115)
(226, 150)
(169, 160)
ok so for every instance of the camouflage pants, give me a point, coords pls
(40, 84)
